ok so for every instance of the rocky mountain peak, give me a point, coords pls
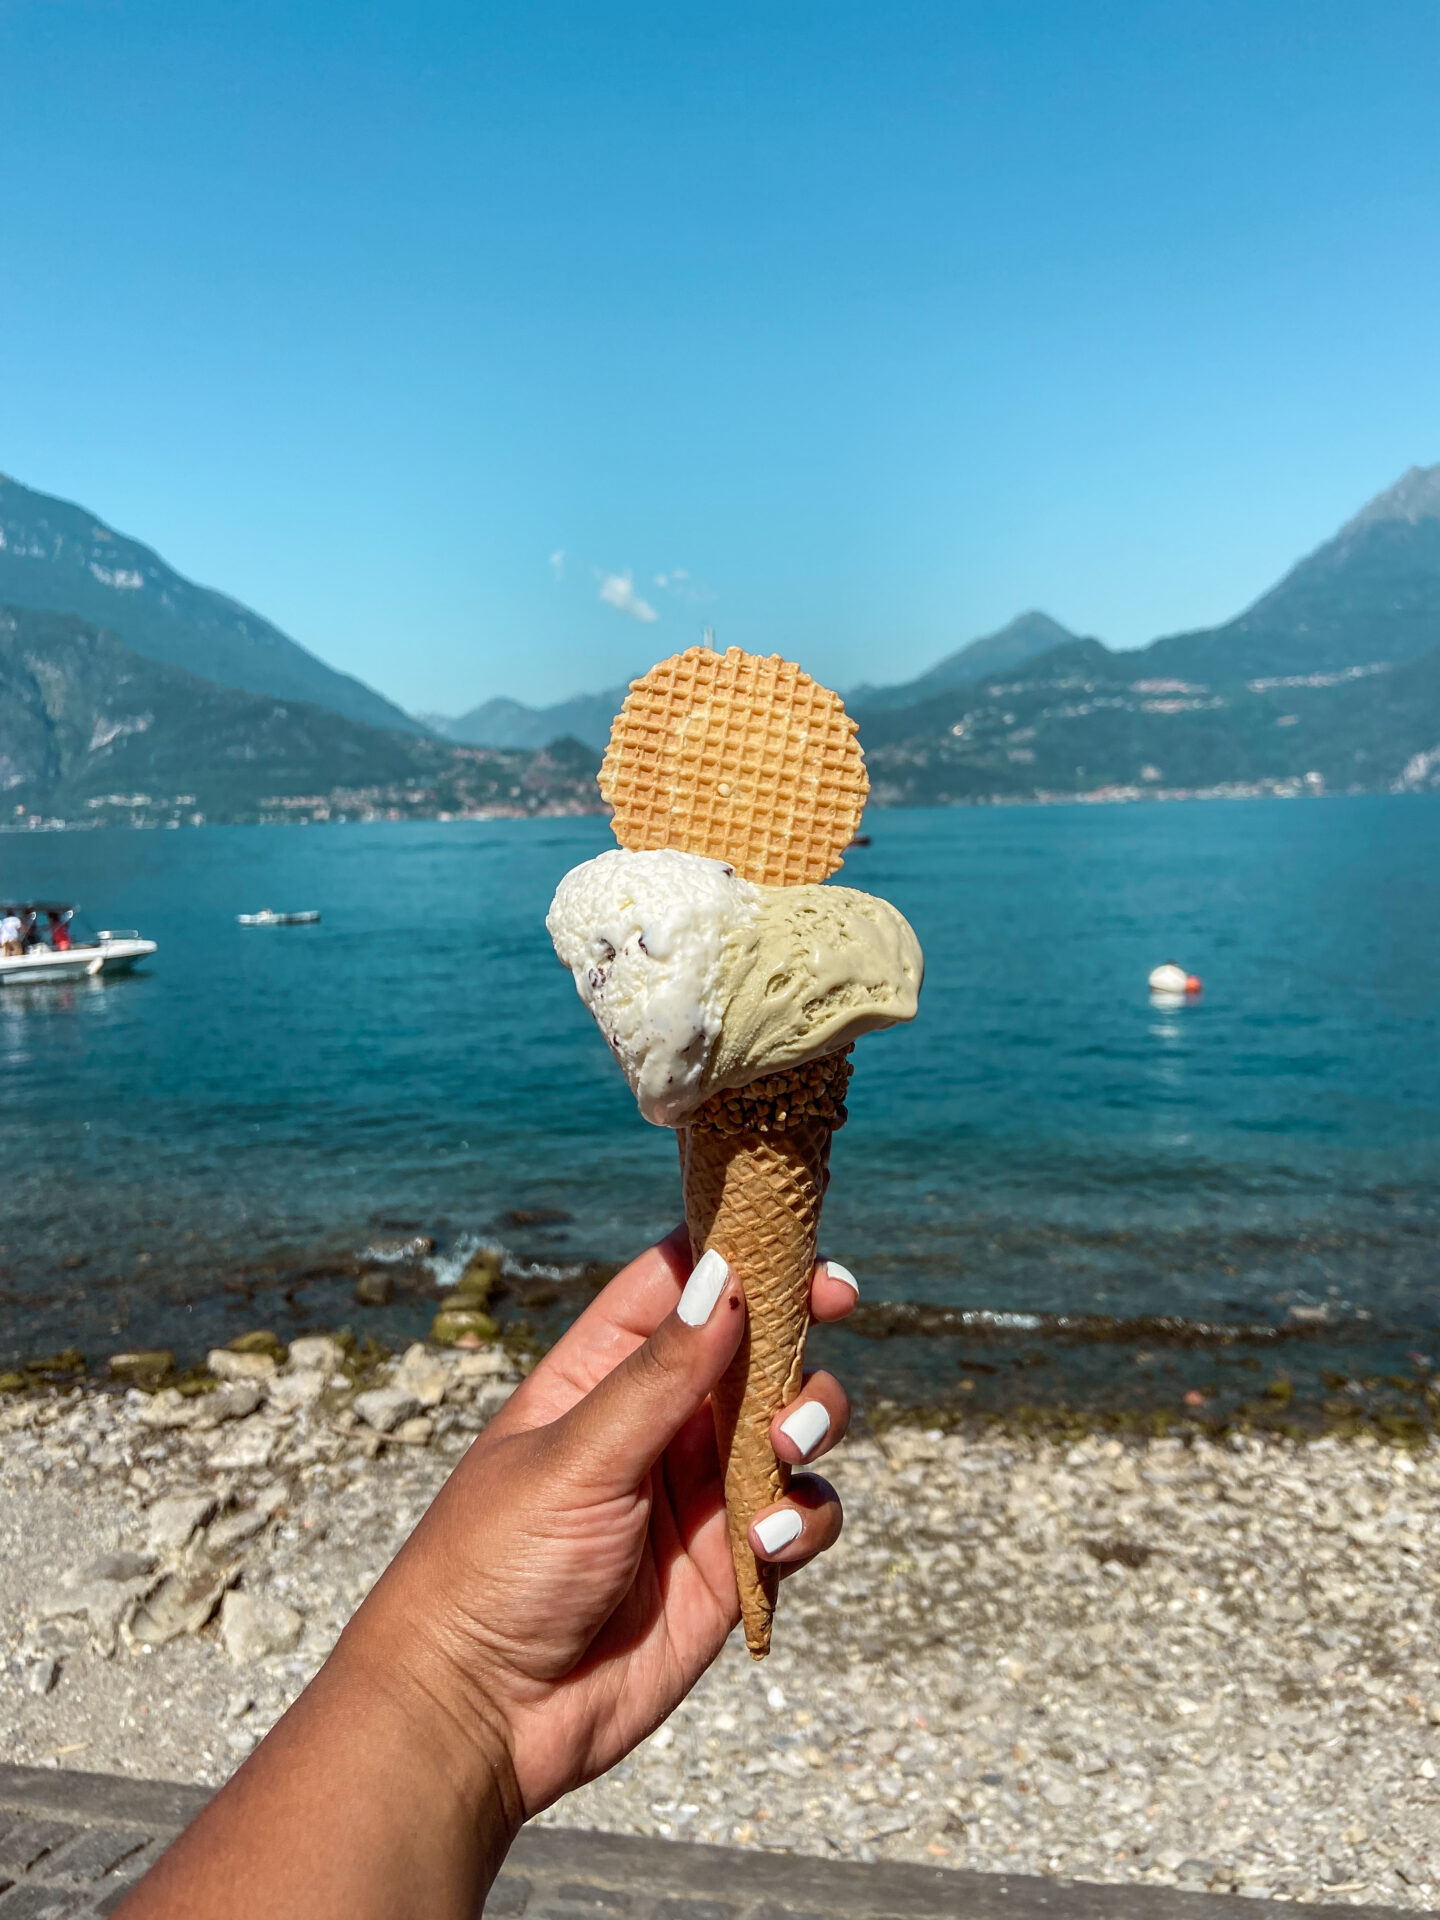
(1414, 497)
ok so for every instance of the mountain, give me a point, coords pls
(1370, 594)
(90, 730)
(1026, 635)
(59, 558)
(508, 723)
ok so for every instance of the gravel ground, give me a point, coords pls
(1205, 1665)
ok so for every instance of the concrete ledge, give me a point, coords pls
(748, 1882)
(100, 1799)
(567, 1873)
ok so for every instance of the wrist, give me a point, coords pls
(438, 1726)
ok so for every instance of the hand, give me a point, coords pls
(568, 1587)
(573, 1579)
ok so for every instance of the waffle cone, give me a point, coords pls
(755, 1198)
(754, 1166)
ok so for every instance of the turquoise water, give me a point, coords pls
(208, 1142)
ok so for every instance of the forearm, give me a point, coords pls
(366, 1802)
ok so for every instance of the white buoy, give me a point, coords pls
(1168, 978)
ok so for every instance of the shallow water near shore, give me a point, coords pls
(215, 1141)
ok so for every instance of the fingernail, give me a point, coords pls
(703, 1289)
(807, 1427)
(842, 1274)
(777, 1530)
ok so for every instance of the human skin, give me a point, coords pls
(567, 1588)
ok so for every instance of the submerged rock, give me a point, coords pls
(452, 1325)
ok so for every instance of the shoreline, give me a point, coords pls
(1297, 788)
(1195, 1662)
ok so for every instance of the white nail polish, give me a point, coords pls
(807, 1427)
(703, 1289)
(842, 1274)
(777, 1530)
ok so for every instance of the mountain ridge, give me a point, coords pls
(58, 557)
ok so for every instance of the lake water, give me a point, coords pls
(208, 1143)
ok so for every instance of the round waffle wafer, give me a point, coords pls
(739, 757)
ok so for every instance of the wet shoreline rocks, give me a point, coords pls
(1186, 1661)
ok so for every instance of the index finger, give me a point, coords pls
(621, 1318)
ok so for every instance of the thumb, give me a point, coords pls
(612, 1437)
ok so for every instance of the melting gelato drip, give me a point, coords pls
(700, 980)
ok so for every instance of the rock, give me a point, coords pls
(234, 1402)
(248, 1445)
(226, 1365)
(182, 1603)
(480, 1278)
(254, 1625)
(374, 1290)
(414, 1246)
(169, 1408)
(104, 1591)
(317, 1352)
(143, 1366)
(41, 1674)
(233, 1529)
(422, 1374)
(289, 1392)
(202, 1412)
(489, 1363)
(454, 1324)
(262, 1340)
(171, 1523)
(492, 1397)
(383, 1408)
(415, 1433)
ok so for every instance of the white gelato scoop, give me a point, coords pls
(644, 935)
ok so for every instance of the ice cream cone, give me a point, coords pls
(749, 761)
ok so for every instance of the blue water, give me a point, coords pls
(258, 1102)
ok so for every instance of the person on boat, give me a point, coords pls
(29, 930)
(10, 934)
(59, 930)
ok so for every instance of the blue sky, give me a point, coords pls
(862, 327)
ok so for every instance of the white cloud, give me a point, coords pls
(676, 577)
(557, 563)
(618, 590)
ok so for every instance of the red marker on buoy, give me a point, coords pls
(1172, 979)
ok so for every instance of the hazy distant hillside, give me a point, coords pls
(1085, 721)
(509, 723)
(59, 558)
(1026, 635)
(90, 730)
(1372, 593)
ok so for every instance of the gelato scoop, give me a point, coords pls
(700, 980)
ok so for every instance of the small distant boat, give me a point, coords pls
(113, 950)
(267, 917)
(859, 840)
(1169, 978)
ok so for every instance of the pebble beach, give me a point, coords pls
(1202, 1663)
